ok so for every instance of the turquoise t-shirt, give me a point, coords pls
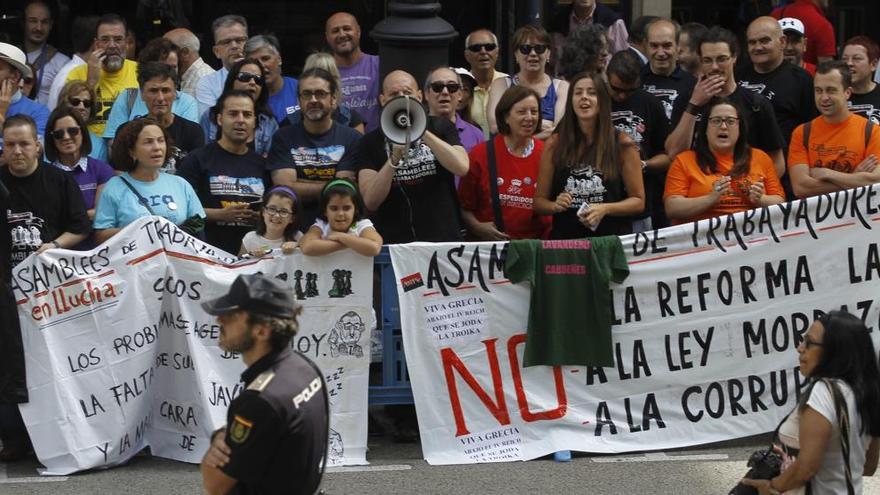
(183, 106)
(169, 196)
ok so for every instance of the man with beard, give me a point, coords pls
(358, 71)
(795, 44)
(718, 53)
(788, 87)
(282, 89)
(443, 92)
(230, 35)
(481, 53)
(158, 84)
(45, 59)
(277, 429)
(688, 40)
(306, 155)
(661, 76)
(861, 54)
(227, 175)
(107, 71)
(837, 150)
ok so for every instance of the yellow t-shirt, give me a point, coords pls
(108, 88)
(480, 104)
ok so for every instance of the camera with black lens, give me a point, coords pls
(763, 465)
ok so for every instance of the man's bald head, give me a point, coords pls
(343, 34)
(766, 44)
(399, 83)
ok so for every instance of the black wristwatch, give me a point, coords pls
(692, 109)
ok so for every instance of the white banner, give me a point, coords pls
(120, 355)
(706, 327)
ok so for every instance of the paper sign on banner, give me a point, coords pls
(121, 356)
(705, 333)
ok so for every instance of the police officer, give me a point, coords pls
(276, 431)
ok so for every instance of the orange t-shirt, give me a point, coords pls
(840, 147)
(685, 178)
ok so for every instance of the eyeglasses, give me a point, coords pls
(228, 41)
(75, 102)
(112, 39)
(721, 60)
(70, 131)
(277, 212)
(478, 47)
(526, 49)
(438, 86)
(812, 343)
(728, 121)
(246, 77)
(319, 94)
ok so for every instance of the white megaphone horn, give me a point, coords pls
(403, 120)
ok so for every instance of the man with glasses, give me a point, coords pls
(282, 89)
(13, 67)
(107, 71)
(190, 65)
(228, 176)
(230, 36)
(788, 88)
(358, 71)
(481, 53)
(661, 76)
(855, 141)
(641, 116)
(307, 154)
(45, 59)
(443, 93)
(717, 51)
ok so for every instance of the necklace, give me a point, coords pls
(527, 150)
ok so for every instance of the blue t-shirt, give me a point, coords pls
(22, 105)
(286, 101)
(99, 148)
(183, 105)
(169, 196)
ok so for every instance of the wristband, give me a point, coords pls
(55, 243)
(692, 109)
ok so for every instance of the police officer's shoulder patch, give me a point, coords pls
(240, 429)
(261, 381)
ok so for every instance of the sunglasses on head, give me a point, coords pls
(478, 47)
(526, 49)
(70, 131)
(437, 87)
(248, 77)
(75, 102)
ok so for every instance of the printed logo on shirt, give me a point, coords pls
(224, 185)
(867, 111)
(633, 125)
(585, 186)
(412, 282)
(667, 97)
(175, 155)
(837, 158)
(420, 163)
(759, 88)
(514, 197)
(317, 163)
(27, 234)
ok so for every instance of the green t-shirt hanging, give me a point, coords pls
(570, 308)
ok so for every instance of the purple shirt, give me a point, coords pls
(360, 88)
(469, 134)
(88, 173)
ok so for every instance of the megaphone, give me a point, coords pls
(403, 120)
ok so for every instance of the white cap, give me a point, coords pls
(13, 55)
(792, 24)
(461, 71)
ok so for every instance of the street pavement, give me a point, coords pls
(400, 469)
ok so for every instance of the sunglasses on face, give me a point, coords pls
(61, 133)
(478, 47)
(75, 102)
(526, 49)
(246, 77)
(437, 87)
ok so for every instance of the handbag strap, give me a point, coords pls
(142, 200)
(493, 184)
(843, 425)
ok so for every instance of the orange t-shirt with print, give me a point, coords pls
(840, 147)
(685, 178)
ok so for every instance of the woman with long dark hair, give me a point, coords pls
(590, 178)
(722, 174)
(838, 357)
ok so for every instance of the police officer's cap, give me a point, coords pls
(255, 293)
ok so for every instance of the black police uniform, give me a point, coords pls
(277, 428)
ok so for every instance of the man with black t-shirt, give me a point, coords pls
(789, 88)
(717, 50)
(44, 210)
(640, 115)
(661, 76)
(306, 155)
(861, 55)
(412, 191)
(227, 175)
(158, 83)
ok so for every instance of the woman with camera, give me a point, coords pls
(830, 440)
